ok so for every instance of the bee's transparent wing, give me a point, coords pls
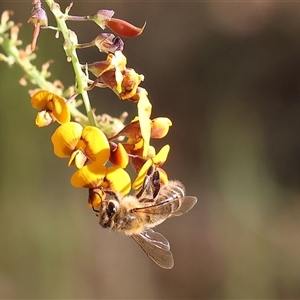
(170, 207)
(186, 204)
(156, 246)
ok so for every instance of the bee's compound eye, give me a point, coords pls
(111, 209)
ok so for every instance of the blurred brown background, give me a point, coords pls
(228, 75)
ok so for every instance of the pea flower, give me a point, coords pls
(114, 74)
(51, 108)
(98, 179)
(125, 83)
(116, 62)
(135, 144)
(157, 160)
(81, 144)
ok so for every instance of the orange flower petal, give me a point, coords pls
(65, 138)
(96, 144)
(118, 180)
(160, 127)
(119, 156)
(90, 176)
(40, 99)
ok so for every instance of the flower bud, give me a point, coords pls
(123, 28)
(108, 43)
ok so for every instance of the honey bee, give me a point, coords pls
(150, 206)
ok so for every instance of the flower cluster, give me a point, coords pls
(100, 153)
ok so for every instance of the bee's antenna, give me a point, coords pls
(95, 210)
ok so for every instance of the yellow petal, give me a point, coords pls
(141, 175)
(144, 112)
(119, 79)
(157, 160)
(118, 60)
(118, 180)
(161, 156)
(151, 152)
(96, 144)
(40, 99)
(60, 110)
(65, 138)
(163, 176)
(90, 176)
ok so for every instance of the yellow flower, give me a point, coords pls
(125, 82)
(51, 108)
(158, 160)
(112, 67)
(80, 144)
(89, 176)
(130, 83)
(117, 180)
(99, 178)
(135, 144)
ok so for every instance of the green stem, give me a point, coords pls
(70, 48)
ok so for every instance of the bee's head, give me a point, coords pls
(107, 213)
(117, 213)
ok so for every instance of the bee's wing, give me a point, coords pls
(186, 204)
(156, 246)
(170, 207)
